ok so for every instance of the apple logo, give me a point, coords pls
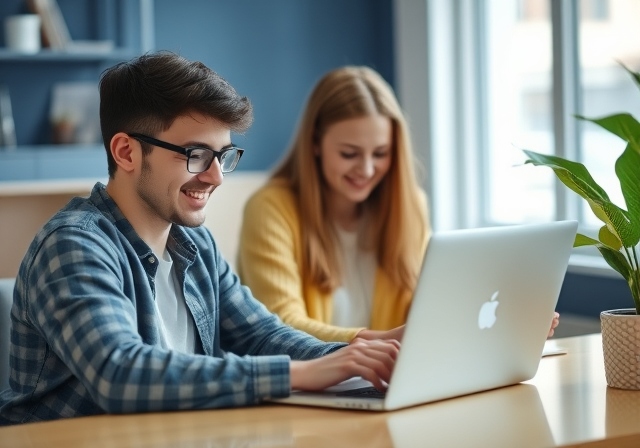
(487, 316)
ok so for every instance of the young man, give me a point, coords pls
(123, 302)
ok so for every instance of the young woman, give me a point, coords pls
(334, 241)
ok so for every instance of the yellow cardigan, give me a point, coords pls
(270, 263)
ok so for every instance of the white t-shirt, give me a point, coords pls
(352, 300)
(177, 329)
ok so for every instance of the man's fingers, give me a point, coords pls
(373, 360)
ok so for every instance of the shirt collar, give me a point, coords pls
(179, 242)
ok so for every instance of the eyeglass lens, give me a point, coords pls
(201, 159)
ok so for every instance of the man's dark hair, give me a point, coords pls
(147, 93)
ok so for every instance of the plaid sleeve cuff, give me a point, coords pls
(272, 377)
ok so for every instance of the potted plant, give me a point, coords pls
(616, 240)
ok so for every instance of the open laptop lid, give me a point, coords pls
(481, 310)
(452, 345)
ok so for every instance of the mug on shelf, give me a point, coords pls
(22, 33)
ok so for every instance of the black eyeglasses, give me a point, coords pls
(199, 159)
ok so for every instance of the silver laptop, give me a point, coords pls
(479, 319)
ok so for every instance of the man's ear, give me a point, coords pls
(126, 152)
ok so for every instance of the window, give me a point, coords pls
(520, 111)
(502, 75)
(518, 85)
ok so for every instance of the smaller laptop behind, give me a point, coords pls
(479, 318)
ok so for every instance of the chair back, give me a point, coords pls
(226, 206)
(6, 300)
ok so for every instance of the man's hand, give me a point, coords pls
(554, 323)
(395, 334)
(372, 360)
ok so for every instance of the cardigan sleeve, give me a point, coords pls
(269, 263)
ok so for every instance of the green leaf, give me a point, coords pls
(609, 239)
(575, 176)
(618, 262)
(583, 240)
(617, 221)
(628, 172)
(623, 125)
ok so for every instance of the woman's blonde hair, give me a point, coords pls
(396, 224)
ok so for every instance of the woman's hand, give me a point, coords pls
(554, 323)
(394, 334)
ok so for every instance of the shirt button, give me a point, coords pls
(152, 260)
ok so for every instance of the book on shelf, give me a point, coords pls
(55, 32)
(7, 126)
(54, 29)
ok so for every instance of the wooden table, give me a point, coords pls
(567, 403)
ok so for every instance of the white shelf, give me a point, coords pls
(29, 149)
(47, 187)
(64, 56)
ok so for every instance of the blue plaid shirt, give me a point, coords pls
(85, 337)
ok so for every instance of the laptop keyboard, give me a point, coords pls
(363, 392)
